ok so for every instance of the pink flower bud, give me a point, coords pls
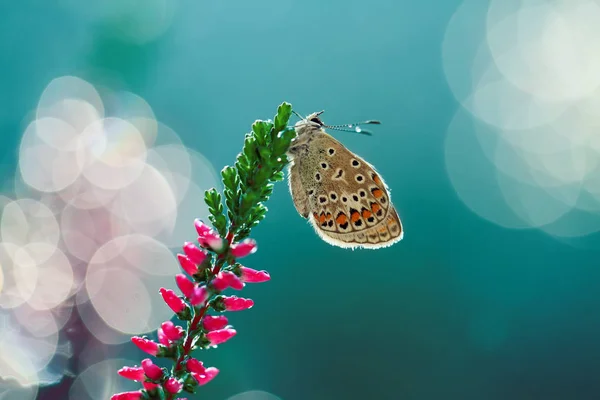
(220, 336)
(201, 227)
(234, 303)
(185, 285)
(162, 338)
(211, 240)
(146, 345)
(187, 265)
(133, 373)
(196, 255)
(173, 333)
(172, 300)
(173, 386)
(150, 386)
(244, 248)
(214, 322)
(253, 276)
(225, 279)
(195, 366)
(207, 376)
(127, 396)
(151, 370)
(199, 295)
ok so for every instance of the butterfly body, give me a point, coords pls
(342, 195)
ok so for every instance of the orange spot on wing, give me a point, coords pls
(341, 219)
(322, 218)
(355, 216)
(328, 216)
(376, 179)
(375, 207)
(377, 193)
(366, 213)
(316, 216)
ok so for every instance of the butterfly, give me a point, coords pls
(342, 195)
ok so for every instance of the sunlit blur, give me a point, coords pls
(103, 194)
(523, 150)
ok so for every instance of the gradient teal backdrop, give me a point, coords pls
(460, 309)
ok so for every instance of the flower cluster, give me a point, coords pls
(201, 289)
(211, 267)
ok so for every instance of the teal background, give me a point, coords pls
(460, 309)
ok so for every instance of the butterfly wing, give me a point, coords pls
(348, 202)
(299, 195)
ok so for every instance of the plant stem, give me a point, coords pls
(201, 312)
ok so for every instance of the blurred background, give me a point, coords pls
(115, 116)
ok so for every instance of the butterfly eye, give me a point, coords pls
(316, 121)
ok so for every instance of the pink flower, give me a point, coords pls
(173, 386)
(172, 300)
(133, 373)
(127, 396)
(173, 333)
(196, 255)
(244, 248)
(185, 285)
(201, 227)
(253, 276)
(214, 322)
(212, 240)
(206, 377)
(146, 345)
(187, 265)
(152, 370)
(150, 386)
(162, 338)
(220, 336)
(199, 295)
(225, 279)
(195, 366)
(234, 303)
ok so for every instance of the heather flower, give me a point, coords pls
(173, 386)
(127, 396)
(194, 254)
(196, 366)
(133, 373)
(187, 265)
(185, 285)
(220, 336)
(253, 276)
(214, 322)
(172, 300)
(162, 338)
(201, 227)
(211, 240)
(227, 279)
(211, 268)
(152, 370)
(173, 333)
(150, 386)
(146, 345)
(234, 303)
(244, 248)
(199, 295)
(208, 375)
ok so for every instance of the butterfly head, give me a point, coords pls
(310, 124)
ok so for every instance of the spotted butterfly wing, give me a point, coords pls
(342, 195)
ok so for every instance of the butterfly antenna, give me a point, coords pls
(355, 127)
(298, 115)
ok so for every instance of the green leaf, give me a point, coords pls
(284, 112)
(230, 178)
